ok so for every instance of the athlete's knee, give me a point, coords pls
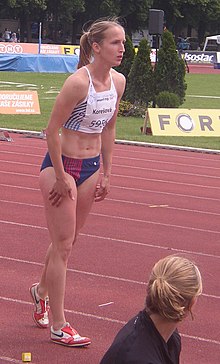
(63, 248)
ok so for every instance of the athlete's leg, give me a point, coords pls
(42, 287)
(61, 223)
(85, 199)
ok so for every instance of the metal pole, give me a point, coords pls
(39, 44)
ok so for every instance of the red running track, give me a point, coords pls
(162, 201)
(203, 69)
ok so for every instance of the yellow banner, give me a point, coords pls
(19, 102)
(184, 122)
(69, 49)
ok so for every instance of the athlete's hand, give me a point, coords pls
(102, 189)
(61, 189)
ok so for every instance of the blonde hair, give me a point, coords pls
(173, 283)
(95, 33)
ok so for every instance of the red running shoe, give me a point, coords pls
(40, 314)
(69, 337)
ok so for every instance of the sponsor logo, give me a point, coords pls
(194, 57)
(35, 297)
(103, 99)
(59, 335)
(11, 48)
(185, 122)
(193, 122)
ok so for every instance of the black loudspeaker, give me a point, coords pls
(156, 21)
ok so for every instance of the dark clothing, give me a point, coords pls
(139, 342)
(79, 169)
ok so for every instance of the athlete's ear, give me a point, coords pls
(96, 47)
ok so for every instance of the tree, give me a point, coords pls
(140, 79)
(27, 10)
(100, 8)
(170, 71)
(202, 15)
(65, 12)
(135, 13)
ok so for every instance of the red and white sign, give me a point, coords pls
(19, 102)
(33, 48)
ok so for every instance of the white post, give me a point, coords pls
(39, 44)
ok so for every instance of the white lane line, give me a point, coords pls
(154, 246)
(17, 83)
(127, 202)
(11, 360)
(92, 274)
(126, 219)
(134, 159)
(197, 338)
(124, 188)
(106, 304)
(133, 167)
(204, 96)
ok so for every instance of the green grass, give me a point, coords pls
(48, 86)
(202, 85)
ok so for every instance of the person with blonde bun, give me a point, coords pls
(152, 336)
(80, 132)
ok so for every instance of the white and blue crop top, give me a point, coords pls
(93, 113)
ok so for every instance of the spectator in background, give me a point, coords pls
(152, 336)
(18, 35)
(7, 35)
(13, 38)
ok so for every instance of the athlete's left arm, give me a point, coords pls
(108, 140)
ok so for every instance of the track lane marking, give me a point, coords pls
(197, 338)
(155, 246)
(126, 280)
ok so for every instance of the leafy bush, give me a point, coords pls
(167, 99)
(126, 108)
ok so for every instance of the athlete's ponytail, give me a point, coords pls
(85, 50)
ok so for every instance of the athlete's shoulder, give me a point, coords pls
(78, 78)
(76, 85)
(118, 76)
(119, 81)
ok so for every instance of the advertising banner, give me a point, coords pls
(184, 122)
(18, 48)
(19, 102)
(194, 57)
(198, 57)
(33, 48)
(70, 50)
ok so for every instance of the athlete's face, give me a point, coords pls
(111, 48)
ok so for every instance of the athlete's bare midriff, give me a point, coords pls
(80, 145)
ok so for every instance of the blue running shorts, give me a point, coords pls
(79, 169)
